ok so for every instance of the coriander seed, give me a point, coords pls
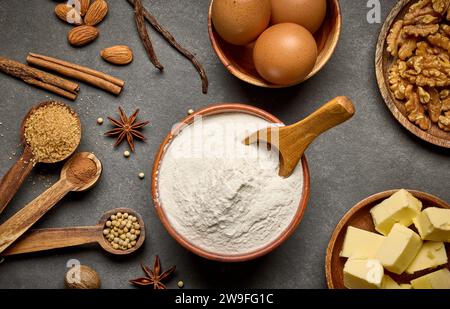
(141, 175)
(126, 154)
(180, 284)
(100, 120)
(190, 111)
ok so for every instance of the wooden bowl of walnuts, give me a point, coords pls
(413, 68)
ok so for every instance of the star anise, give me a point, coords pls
(127, 128)
(153, 277)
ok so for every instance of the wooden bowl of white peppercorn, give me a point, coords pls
(282, 236)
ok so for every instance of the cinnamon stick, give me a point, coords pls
(171, 40)
(41, 79)
(143, 34)
(72, 70)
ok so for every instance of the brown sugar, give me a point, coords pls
(53, 132)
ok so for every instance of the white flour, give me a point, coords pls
(222, 196)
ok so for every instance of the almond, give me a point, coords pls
(96, 12)
(119, 54)
(82, 35)
(68, 14)
(84, 6)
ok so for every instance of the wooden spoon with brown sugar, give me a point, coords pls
(80, 173)
(54, 130)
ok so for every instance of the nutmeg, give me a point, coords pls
(119, 54)
(82, 277)
(68, 14)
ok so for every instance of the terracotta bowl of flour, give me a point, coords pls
(169, 200)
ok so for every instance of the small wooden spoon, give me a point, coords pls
(292, 141)
(19, 223)
(47, 239)
(16, 175)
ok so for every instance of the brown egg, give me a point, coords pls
(307, 13)
(240, 22)
(285, 54)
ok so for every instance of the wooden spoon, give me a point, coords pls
(19, 223)
(14, 178)
(46, 239)
(292, 141)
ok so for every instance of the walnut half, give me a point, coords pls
(435, 106)
(440, 6)
(444, 122)
(397, 83)
(415, 110)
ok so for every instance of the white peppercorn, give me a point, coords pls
(122, 231)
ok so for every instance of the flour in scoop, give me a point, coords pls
(221, 195)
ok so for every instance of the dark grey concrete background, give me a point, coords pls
(371, 153)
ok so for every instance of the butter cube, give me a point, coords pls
(399, 249)
(434, 224)
(431, 255)
(405, 286)
(436, 280)
(361, 243)
(390, 284)
(402, 207)
(361, 273)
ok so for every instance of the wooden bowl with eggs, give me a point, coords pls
(239, 61)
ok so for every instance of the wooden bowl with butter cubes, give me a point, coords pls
(397, 239)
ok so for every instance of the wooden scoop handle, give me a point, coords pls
(333, 113)
(295, 139)
(19, 223)
(16, 175)
(47, 239)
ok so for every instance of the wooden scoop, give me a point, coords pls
(19, 223)
(46, 239)
(14, 178)
(292, 141)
